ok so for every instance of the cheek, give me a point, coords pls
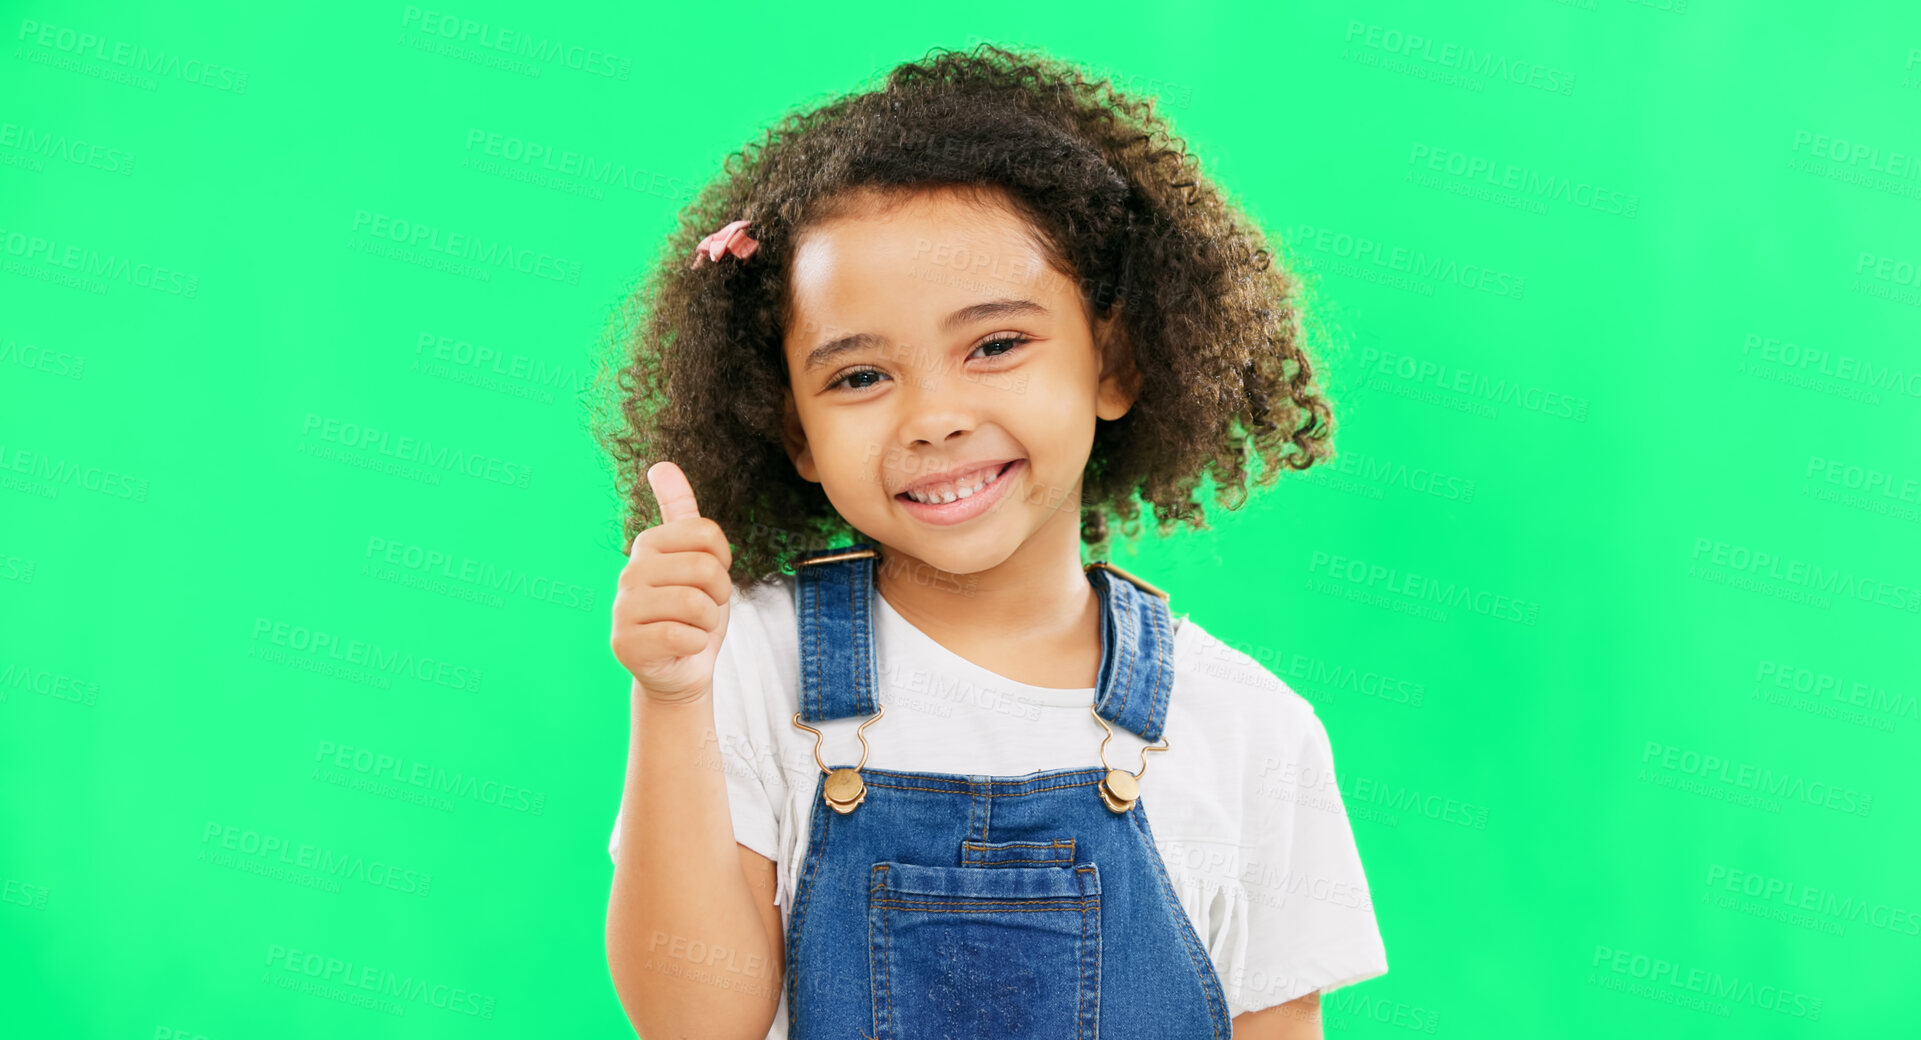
(1051, 401)
(847, 455)
(1056, 427)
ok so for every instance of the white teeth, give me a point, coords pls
(963, 490)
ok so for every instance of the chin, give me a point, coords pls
(955, 554)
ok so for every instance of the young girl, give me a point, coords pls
(888, 763)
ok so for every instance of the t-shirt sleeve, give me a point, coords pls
(742, 694)
(1311, 925)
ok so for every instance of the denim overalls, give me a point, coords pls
(971, 907)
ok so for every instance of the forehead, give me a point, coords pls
(895, 266)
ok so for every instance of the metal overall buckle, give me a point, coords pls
(1120, 789)
(844, 790)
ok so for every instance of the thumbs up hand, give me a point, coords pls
(670, 611)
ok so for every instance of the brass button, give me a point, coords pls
(1119, 789)
(844, 790)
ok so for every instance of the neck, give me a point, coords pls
(1040, 591)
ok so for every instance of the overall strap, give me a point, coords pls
(1137, 652)
(836, 633)
(835, 590)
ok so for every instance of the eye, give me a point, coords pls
(852, 374)
(1011, 340)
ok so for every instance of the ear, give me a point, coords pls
(1121, 380)
(794, 439)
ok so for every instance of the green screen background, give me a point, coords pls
(1609, 604)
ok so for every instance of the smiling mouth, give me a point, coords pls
(955, 490)
(986, 490)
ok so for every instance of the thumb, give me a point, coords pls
(671, 490)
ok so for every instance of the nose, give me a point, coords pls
(935, 414)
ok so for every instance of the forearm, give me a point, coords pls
(1298, 1019)
(686, 944)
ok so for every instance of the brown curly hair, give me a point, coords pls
(695, 353)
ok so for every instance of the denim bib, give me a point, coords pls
(953, 907)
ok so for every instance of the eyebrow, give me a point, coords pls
(834, 348)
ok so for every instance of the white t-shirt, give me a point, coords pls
(1243, 803)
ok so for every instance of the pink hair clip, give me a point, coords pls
(730, 239)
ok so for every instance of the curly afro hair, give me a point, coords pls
(698, 367)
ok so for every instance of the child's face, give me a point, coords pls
(937, 387)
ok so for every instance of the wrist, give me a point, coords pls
(654, 699)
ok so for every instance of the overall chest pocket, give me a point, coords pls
(1004, 952)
